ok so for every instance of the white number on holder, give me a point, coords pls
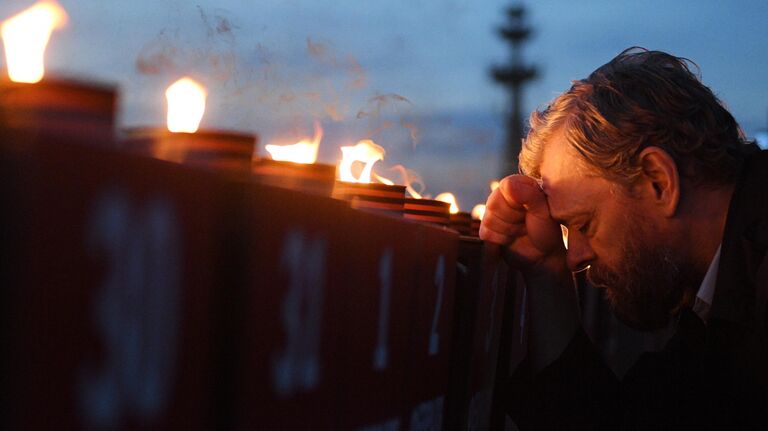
(381, 353)
(136, 311)
(297, 367)
(434, 337)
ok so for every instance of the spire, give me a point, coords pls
(514, 75)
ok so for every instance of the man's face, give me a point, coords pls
(618, 238)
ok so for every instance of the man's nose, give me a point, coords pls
(579, 254)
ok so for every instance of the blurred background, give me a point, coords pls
(416, 76)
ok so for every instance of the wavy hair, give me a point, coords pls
(639, 99)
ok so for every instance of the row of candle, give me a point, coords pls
(84, 113)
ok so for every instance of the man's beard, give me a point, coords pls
(650, 285)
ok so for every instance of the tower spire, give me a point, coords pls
(514, 75)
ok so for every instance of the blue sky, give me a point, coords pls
(370, 68)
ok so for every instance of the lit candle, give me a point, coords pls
(182, 141)
(460, 221)
(416, 207)
(48, 109)
(359, 190)
(294, 167)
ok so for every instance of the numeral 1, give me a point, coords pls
(381, 353)
(297, 367)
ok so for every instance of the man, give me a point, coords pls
(666, 209)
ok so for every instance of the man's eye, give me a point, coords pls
(584, 228)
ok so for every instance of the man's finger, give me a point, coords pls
(494, 222)
(489, 235)
(525, 191)
(497, 204)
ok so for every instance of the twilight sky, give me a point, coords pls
(410, 74)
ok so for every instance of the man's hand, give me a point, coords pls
(517, 217)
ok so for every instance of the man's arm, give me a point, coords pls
(563, 382)
(553, 315)
(517, 217)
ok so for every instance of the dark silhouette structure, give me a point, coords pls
(514, 75)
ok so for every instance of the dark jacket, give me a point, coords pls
(712, 376)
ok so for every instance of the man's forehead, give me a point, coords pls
(557, 159)
(572, 196)
(569, 190)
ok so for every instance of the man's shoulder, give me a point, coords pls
(744, 246)
(748, 212)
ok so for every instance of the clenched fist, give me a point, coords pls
(517, 217)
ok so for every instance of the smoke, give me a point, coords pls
(412, 181)
(210, 52)
(272, 86)
(324, 53)
(220, 25)
(377, 104)
(384, 111)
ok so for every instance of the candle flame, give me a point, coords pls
(494, 185)
(365, 151)
(451, 199)
(414, 194)
(383, 180)
(186, 105)
(25, 36)
(478, 212)
(409, 179)
(304, 151)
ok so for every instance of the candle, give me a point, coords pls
(358, 189)
(35, 107)
(459, 221)
(181, 141)
(294, 167)
(427, 211)
(477, 216)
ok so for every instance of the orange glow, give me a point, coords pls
(25, 37)
(494, 185)
(451, 199)
(383, 180)
(414, 194)
(564, 230)
(478, 212)
(304, 151)
(186, 105)
(366, 152)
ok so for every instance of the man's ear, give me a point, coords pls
(660, 172)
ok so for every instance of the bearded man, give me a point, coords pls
(666, 208)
